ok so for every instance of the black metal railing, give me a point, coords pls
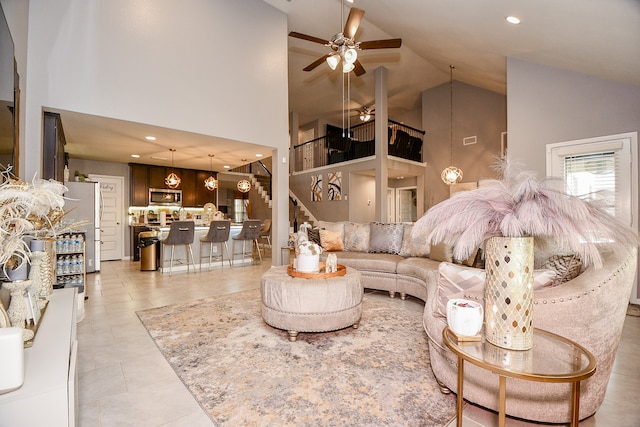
(335, 147)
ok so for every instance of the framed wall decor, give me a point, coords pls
(334, 186)
(316, 188)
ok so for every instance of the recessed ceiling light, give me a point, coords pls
(159, 158)
(227, 167)
(135, 156)
(150, 138)
(258, 155)
(513, 20)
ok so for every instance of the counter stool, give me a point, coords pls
(180, 233)
(250, 232)
(265, 232)
(218, 234)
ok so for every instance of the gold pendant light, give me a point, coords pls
(172, 180)
(211, 183)
(244, 186)
(451, 175)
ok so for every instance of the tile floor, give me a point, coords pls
(123, 380)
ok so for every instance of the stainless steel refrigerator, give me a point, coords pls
(84, 203)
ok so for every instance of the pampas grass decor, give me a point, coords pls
(518, 205)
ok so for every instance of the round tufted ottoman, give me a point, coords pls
(310, 305)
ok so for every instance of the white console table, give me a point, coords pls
(48, 395)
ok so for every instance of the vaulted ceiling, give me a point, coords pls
(600, 38)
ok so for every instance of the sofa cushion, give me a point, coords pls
(441, 252)
(385, 237)
(453, 280)
(386, 263)
(417, 246)
(331, 240)
(356, 237)
(314, 235)
(418, 267)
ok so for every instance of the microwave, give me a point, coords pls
(165, 196)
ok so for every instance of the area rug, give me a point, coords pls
(633, 310)
(245, 373)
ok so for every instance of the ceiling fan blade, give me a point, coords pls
(359, 69)
(353, 22)
(308, 38)
(381, 44)
(315, 63)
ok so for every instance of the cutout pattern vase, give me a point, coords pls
(509, 292)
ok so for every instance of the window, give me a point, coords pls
(592, 176)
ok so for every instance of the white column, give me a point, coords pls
(382, 115)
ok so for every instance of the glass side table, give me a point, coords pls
(552, 359)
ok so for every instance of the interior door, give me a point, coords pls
(111, 224)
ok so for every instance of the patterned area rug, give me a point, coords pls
(243, 372)
(632, 310)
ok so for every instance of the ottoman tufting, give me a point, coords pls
(310, 305)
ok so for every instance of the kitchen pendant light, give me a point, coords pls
(211, 183)
(172, 180)
(244, 186)
(451, 175)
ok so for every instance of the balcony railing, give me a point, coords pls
(335, 147)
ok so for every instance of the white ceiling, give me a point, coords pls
(600, 38)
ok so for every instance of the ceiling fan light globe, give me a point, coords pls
(346, 67)
(350, 55)
(333, 61)
(365, 117)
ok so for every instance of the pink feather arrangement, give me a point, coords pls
(518, 205)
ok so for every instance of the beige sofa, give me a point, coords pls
(588, 309)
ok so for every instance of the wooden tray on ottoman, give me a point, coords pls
(342, 270)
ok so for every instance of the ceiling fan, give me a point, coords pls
(365, 113)
(344, 47)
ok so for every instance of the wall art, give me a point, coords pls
(334, 186)
(316, 188)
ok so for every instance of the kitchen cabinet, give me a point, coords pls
(157, 174)
(139, 185)
(204, 196)
(188, 186)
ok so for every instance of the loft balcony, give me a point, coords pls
(336, 146)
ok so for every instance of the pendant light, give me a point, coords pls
(451, 175)
(211, 183)
(172, 180)
(244, 186)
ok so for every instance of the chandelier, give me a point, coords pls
(172, 180)
(451, 174)
(244, 186)
(211, 183)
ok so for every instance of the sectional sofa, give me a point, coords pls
(588, 309)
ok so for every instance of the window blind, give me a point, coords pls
(594, 176)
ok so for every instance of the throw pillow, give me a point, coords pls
(333, 226)
(385, 237)
(441, 252)
(314, 235)
(567, 267)
(453, 279)
(331, 241)
(413, 245)
(356, 237)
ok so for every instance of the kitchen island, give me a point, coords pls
(201, 231)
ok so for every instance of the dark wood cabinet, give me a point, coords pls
(188, 186)
(139, 185)
(157, 174)
(204, 196)
(53, 143)
(194, 193)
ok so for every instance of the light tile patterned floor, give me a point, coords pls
(125, 381)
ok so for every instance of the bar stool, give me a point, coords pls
(265, 232)
(218, 234)
(250, 232)
(180, 233)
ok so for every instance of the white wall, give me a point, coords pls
(546, 105)
(202, 66)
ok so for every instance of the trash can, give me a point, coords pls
(149, 253)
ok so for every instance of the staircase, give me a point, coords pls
(297, 211)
